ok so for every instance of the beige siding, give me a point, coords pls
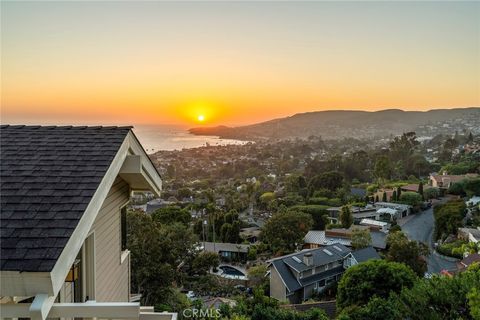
(66, 292)
(112, 278)
(277, 288)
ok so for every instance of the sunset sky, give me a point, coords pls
(233, 62)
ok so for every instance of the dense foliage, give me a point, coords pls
(156, 251)
(361, 238)
(285, 230)
(372, 278)
(439, 298)
(411, 253)
(448, 218)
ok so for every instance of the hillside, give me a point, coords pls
(339, 124)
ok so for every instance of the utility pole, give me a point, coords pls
(203, 231)
(214, 233)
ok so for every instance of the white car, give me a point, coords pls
(190, 295)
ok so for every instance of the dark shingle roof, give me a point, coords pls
(321, 256)
(286, 264)
(286, 274)
(48, 175)
(471, 258)
(365, 254)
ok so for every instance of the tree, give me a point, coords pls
(431, 193)
(266, 198)
(361, 238)
(440, 297)
(172, 214)
(419, 165)
(331, 180)
(252, 253)
(156, 251)
(470, 137)
(376, 309)
(420, 189)
(373, 277)
(394, 195)
(448, 218)
(436, 298)
(204, 261)
(261, 312)
(346, 217)
(256, 275)
(227, 233)
(411, 198)
(448, 147)
(184, 193)
(285, 230)
(295, 183)
(383, 169)
(319, 214)
(411, 253)
(404, 146)
(473, 297)
(472, 187)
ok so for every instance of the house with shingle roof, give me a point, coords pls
(296, 277)
(64, 191)
(468, 261)
(446, 180)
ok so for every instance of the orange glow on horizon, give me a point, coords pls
(233, 63)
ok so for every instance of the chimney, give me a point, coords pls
(308, 259)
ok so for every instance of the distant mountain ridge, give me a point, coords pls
(340, 124)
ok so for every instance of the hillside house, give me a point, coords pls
(63, 221)
(445, 180)
(296, 277)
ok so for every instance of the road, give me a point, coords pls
(420, 227)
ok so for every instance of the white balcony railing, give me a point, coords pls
(90, 309)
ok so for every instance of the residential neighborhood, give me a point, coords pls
(294, 249)
(239, 160)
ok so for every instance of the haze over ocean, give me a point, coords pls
(175, 137)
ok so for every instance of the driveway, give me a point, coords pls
(419, 227)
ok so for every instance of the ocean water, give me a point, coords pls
(175, 137)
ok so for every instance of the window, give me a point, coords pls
(123, 224)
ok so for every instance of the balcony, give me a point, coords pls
(89, 309)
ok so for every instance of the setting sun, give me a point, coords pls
(201, 117)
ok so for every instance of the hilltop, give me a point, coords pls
(345, 123)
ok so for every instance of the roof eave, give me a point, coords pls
(138, 170)
(25, 284)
